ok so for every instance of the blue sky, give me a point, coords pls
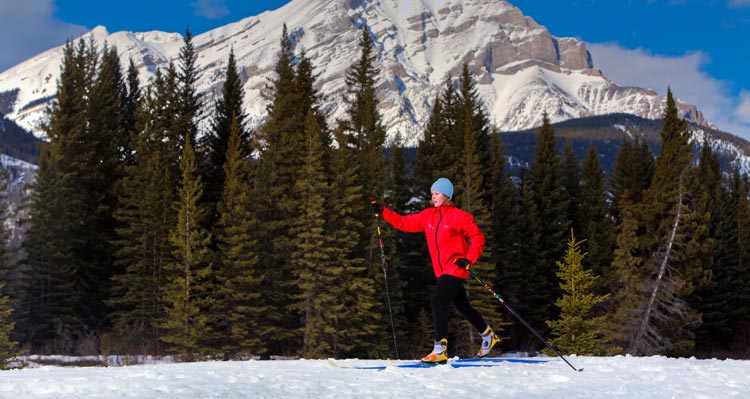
(700, 48)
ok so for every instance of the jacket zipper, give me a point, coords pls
(437, 247)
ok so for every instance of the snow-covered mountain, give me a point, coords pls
(522, 70)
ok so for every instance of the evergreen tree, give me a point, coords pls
(594, 220)
(576, 332)
(239, 300)
(99, 173)
(130, 105)
(145, 217)
(714, 301)
(356, 319)
(633, 173)
(550, 205)
(571, 178)
(52, 317)
(216, 141)
(187, 99)
(310, 256)
(8, 347)
(186, 293)
(672, 243)
(739, 313)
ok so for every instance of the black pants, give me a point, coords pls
(450, 289)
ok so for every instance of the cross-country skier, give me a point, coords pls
(455, 243)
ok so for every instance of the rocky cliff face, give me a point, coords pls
(522, 70)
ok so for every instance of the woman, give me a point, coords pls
(455, 243)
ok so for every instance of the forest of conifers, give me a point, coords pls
(146, 237)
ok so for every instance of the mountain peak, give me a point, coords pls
(521, 70)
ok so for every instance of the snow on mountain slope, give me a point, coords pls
(521, 70)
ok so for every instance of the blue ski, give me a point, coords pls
(457, 363)
(502, 359)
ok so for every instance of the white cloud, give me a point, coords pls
(211, 9)
(742, 113)
(28, 28)
(683, 74)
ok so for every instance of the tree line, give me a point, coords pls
(146, 237)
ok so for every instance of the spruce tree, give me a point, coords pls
(632, 174)
(239, 306)
(145, 217)
(310, 257)
(216, 141)
(186, 292)
(99, 173)
(576, 331)
(273, 189)
(357, 320)
(672, 244)
(54, 273)
(571, 178)
(715, 300)
(8, 347)
(596, 225)
(550, 212)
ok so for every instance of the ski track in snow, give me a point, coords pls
(603, 377)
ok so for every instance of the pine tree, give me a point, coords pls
(310, 256)
(550, 205)
(576, 331)
(52, 317)
(672, 244)
(186, 294)
(145, 217)
(187, 98)
(633, 173)
(216, 141)
(8, 347)
(99, 172)
(356, 321)
(571, 178)
(366, 136)
(239, 299)
(715, 301)
(596, 225)
(276, 204)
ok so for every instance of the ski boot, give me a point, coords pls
(489, 340)
(439, 353)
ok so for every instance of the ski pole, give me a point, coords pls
(491, 291)
(385, 275)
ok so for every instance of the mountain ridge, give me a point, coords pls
(521, 69)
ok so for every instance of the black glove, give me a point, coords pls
(462, 263)
(377, 209)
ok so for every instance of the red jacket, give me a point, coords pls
(451, 233)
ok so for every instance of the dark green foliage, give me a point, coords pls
(549, 213)
(668, 234)
(596, 225)
(576, 331)
(216, 141)
(57, 310)
(310, 254)
(186, 291)
(238, 309)
(8, 347)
